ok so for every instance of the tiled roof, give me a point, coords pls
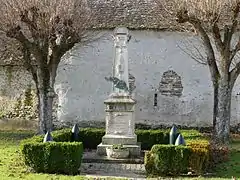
(134, 14)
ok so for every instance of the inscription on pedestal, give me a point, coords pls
(119, 108)
(119, 124)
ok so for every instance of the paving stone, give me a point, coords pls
(132, 171)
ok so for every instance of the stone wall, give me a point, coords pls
(17, 93)
(170, 87)
(14, 80)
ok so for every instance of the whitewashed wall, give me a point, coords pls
(150, 54)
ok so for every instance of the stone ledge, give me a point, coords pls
(119, 139)
(119, 100)
(93, 157)
(134, 150)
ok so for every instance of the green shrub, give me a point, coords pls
(167, 160)
(34, 139)
(150, 137)
(60, 156)
(91, 137)
(199, 159)
(53, 157)
(192, 135)
(174, 160)
(63, 135)
(149, 163)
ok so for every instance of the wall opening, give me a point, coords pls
(155, 99)
(171, 84)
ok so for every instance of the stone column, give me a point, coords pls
(120, 69)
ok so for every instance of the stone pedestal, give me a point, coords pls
(120, 125)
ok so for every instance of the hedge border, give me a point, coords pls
(92, 137)
(53, 157)
(173, 160)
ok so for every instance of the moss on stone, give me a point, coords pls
(9, 74)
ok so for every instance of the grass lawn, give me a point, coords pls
(232, 167)
(11, 166)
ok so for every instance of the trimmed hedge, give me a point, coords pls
(63, 135)
(165, 160)
(150, 137)
(64, 156)
(174, 160)
(92, 137)
(199, 158)
(53, 157)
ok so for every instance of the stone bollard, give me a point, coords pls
(173, 135)
(48, 137)
(75, 133)
(180, 140)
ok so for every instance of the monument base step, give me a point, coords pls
(111, 171)
(134, 150)
(118, 139)
(93, 157)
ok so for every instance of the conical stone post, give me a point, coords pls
(75, 133)
(173, 135)
(180, 140)
(48, 137)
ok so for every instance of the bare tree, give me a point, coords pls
(38, 33)
(216, 22)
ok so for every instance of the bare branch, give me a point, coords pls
(184, 17)
(235, 14)
(217, 37)
(31, 24)
(190, 48)
(48, 26)
(229, 34)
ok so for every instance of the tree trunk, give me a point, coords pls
(45, 100)
(222, 112)
(45, 103)
(44, 78)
